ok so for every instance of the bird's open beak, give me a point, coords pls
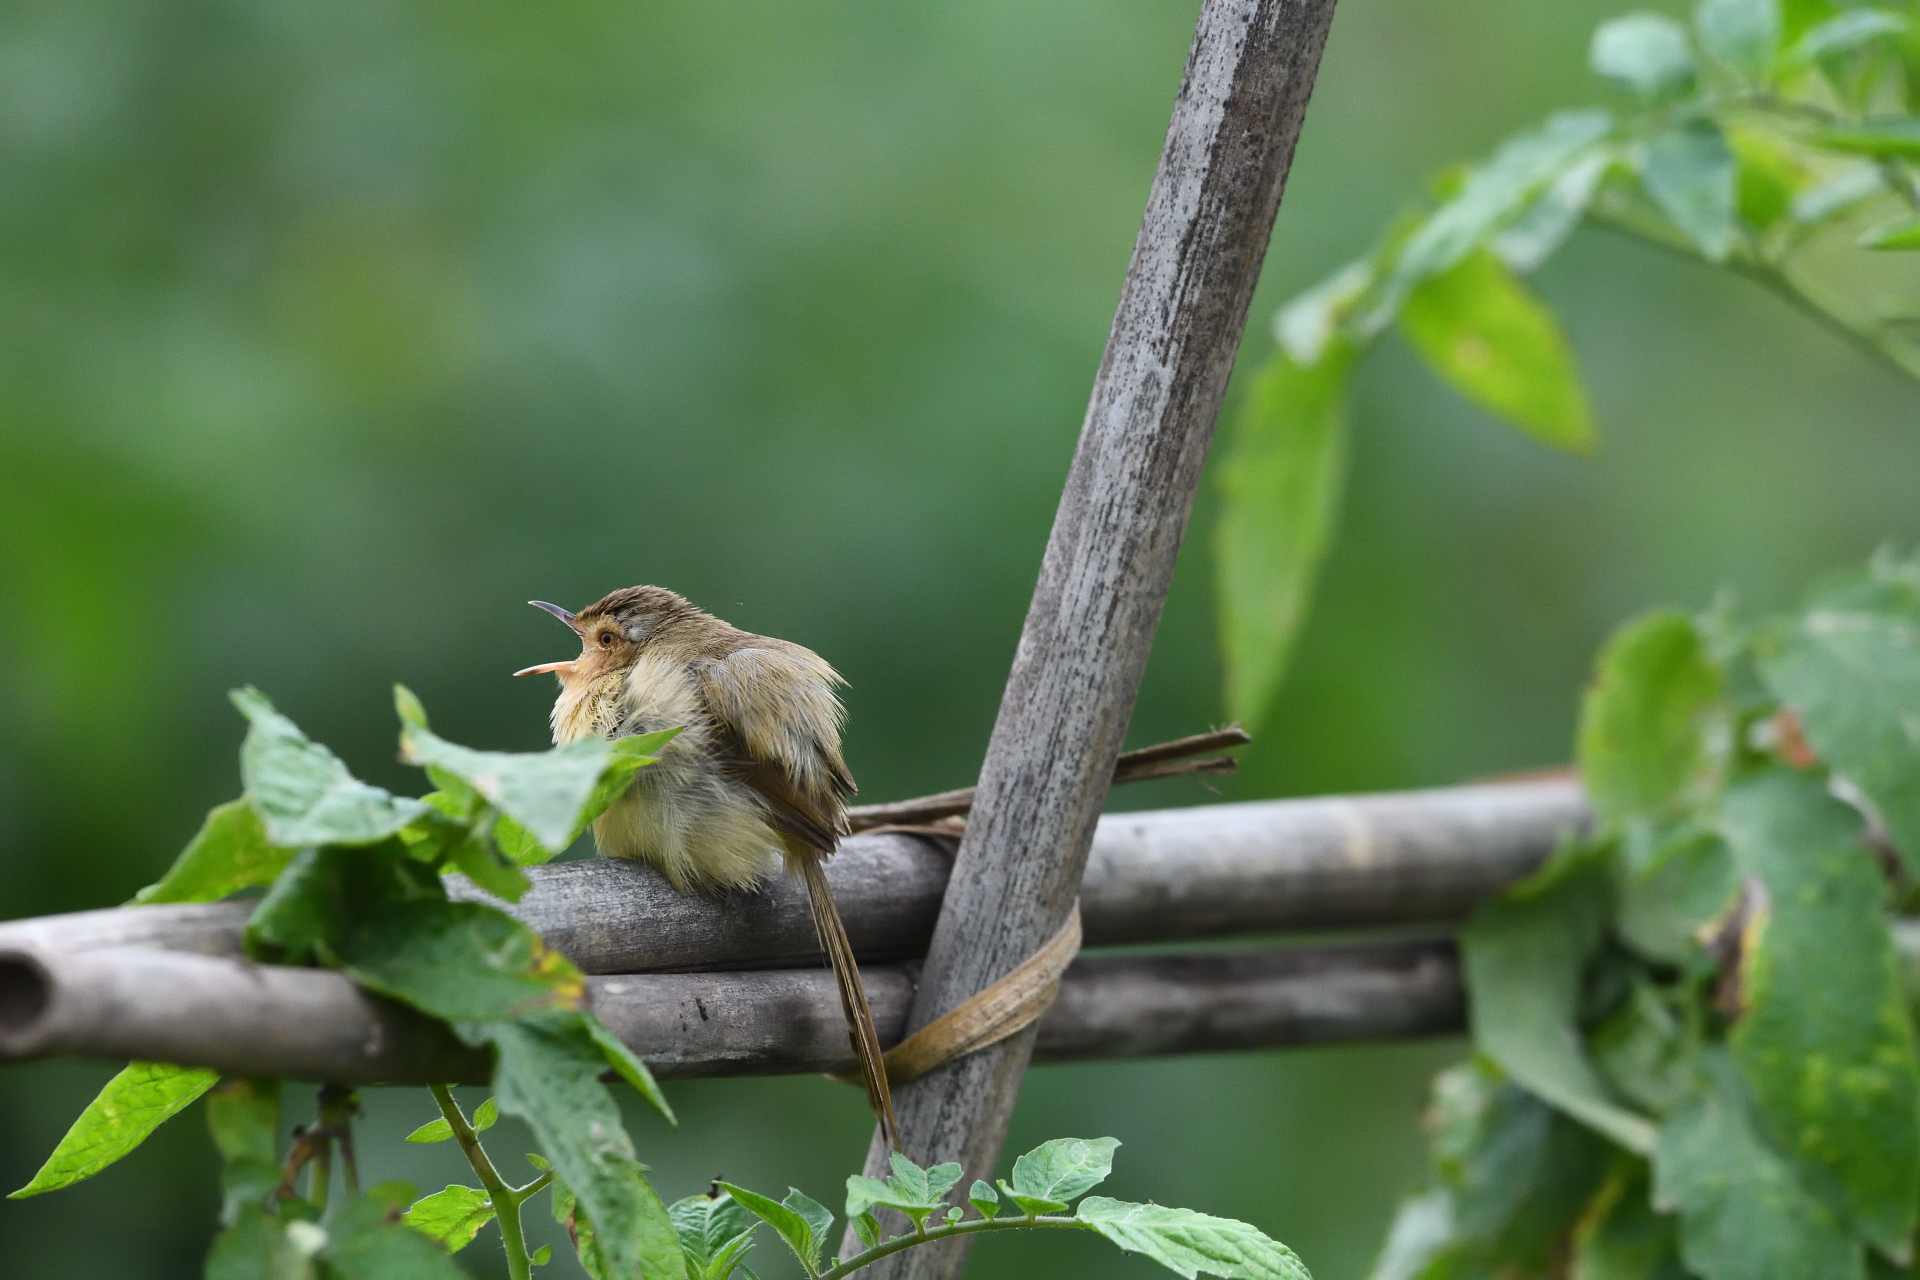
(561, 669)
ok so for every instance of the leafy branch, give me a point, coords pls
(1779, 145)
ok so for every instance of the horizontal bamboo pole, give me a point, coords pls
(1415, 857)
(311, 1024)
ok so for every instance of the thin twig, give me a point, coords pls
(1176, 758)
(506, 1199)
(971, 1227)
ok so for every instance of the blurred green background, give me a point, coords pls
(330, 334)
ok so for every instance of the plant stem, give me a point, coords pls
(971, 1227)
(1742, 263)
(506, 1199)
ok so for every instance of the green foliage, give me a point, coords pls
(1739, 145)
(244, 1119)
(1189, 1243)
(144, 1096)
(1705, 990)
(1282, 474)
(1062, 1170)
(230, 852)
(715, 1233)
(452, 1216)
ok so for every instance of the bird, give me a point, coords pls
(753, 781)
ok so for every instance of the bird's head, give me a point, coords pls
(614, 630)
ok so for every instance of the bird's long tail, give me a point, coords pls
(853, 997)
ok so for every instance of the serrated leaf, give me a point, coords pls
(1742, 34)
(452, 1217)
(1063, 1169)
(1280, 486)
(547, 1072)
(545, 792)
(985, 1201)
(1853, 676)
(710, 1228)
(1482, 331)
(430, 1132)
(1525, 957)
(1742, 1212)
(1647, 52)
(230, 852)
(459, 961)
(629, 1068)
(1891, 137)
(1190, 1243)
(1648, 725)
(1032, 1206)
(304, 794)
(1845, 32)
(244, 1118)
(1894, 236)
(1824, 1040)
(1690, 173)
(141, 1098)
(867, 1228)
(804, 1233)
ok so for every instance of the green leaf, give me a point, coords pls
(1622, 1237)
(1889, 137)
(369, 1241)
(1846, 189)
(144, 1096)
(628, 1067)
(1647, 52)
(1517, 1172)
(1853, 675)
(1189, 1243)
(1032, 1206)
(1492, 195)
(1742, 1212)
(985, 1201)
(1526, 953)
(453, 1216)
(1645, 1049)
(304, 795)
(1542, 227)
(1418, 1240)
(1647, 726)
(1742, 34)
(1845, 32)
(542, 1256)
(548, 1073)
(1280, 485)
(244, 1117)
(1771, 175)
(1824, 1040)
(1686, 881)
(231, 852)
(486, 1115)
(1480, 329)
(803, 1232)
(1064, 1169)
(715, 1232)
(481, 863)
(1894, 236)
(1690, 172)
(867, 1228)
(545, 792)
(1308, 324)
(459, 961)
(432, 1131)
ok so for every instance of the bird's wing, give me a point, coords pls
(778, 703)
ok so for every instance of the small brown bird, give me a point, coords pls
(755, 774)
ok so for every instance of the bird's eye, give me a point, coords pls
(607, 639)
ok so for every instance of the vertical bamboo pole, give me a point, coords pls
(1111, 554)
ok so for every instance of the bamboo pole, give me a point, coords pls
(315, 1024)
(1110, 556)
(1393, 858)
